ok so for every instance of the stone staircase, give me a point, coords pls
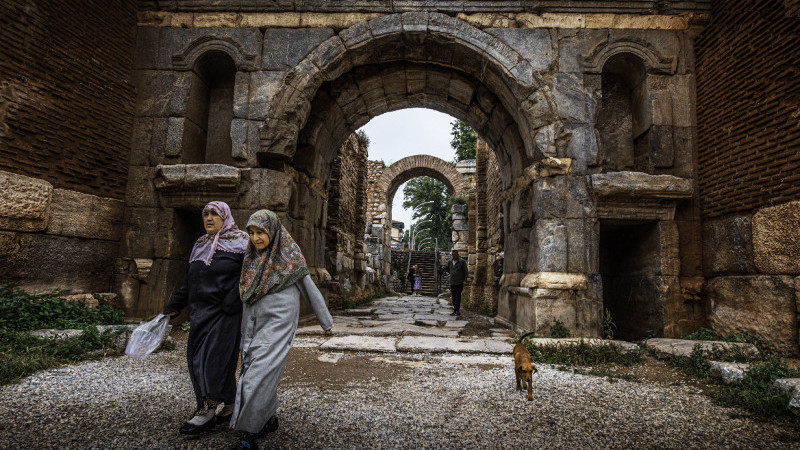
(426, 261)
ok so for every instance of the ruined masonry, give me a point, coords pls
(619, 170)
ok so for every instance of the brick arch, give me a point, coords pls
(442, 63)
(418, 166)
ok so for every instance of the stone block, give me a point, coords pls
(173, 145)
(555, 280)
(24, 202)
(147, 45)
(666, 348)
(270, 189)
(550, 305)
(574, 103)
(241, 92)
(141, 138)
(763, 306)
(575, 45)
(729, 372)
(581, 147)
(284, 48)
(184, 177)
(775, 239)
(728, 247)
(638, 184)
(533, 44)
(550, 246)
(166, 275)
(47, 263)
(164, 94)
(263, 88)
(159, 233)
(88, 216)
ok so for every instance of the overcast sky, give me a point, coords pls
(414, 131)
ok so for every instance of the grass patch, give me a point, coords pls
(756, 393)
(22, 354)
(705, 334)
(582, 353)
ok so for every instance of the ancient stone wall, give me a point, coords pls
(345, 250)
(66, 106)
(66, 95)
(747, 103)
(749, 169)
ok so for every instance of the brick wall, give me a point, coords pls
(748, 98)
(66, 98)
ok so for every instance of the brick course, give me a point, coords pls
(66, 98)
(748, 98)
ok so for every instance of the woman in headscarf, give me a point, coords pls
(211, 290)
(274, 274)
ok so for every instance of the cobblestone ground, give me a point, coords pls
(332, 397)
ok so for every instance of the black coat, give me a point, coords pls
(458, 271)
(215, 317)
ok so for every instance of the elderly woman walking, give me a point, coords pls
(211, 290)
(274, 274)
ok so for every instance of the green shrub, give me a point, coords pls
(696, 364)
(608, 325)
(21, 311)
(582, 353)
(558, 330)
(705, 334)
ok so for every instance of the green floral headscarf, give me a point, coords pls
(275, 268)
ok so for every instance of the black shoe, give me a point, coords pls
(250, 442)
(190, 429)
(455, 313)
(270, 427)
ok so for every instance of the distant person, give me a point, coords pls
(211, 290)
(412, 275)
(457, 268)
(417, 280)
(274, 274)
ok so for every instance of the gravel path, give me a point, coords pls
(371, 400)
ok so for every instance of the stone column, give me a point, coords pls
(460, 228)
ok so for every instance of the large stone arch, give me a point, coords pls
(398, 61)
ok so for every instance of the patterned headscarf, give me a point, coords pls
(275, 268)
(228, 238)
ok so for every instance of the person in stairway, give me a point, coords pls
(417, 280)
(211, 290)
(457, 268)
(274, 275)
(411, 277)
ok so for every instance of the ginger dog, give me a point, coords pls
(523, 367)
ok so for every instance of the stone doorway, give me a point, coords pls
(633, 283)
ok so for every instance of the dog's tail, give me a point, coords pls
(524, 336)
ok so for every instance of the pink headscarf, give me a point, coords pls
(228, 238)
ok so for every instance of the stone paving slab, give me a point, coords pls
(432, 323)
(441, 344)
(669, 348)
(441, 317)
(395, 316)
(361, 343)
(456, 323)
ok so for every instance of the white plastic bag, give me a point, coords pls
(147, 337)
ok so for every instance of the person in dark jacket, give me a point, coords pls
(457, 268)
(211, 291)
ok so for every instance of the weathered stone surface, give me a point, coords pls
(87, 216)
(729, 372)
(535, 45)
(574, 103)
(555, 280)
(24, 202)
(550, 246)
(269, 189)
(668, 348)
(178, 177)
(361, 343)
(728, 247)
(60, 263)
(624, 345)
(792, 386)
(775, 239)
(263, 88)
(284, 48)
(455, 345)
(638, 184)
(764, 306)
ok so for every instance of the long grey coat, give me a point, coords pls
(268, 328)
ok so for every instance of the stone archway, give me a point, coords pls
(382, 192)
